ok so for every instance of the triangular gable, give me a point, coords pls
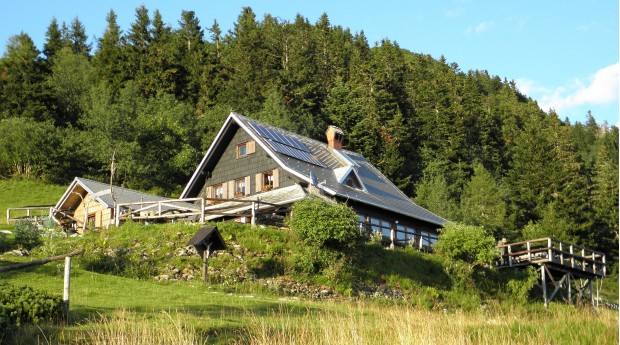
(198, 177)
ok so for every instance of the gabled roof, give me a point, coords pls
(378, 190)
(102, 193)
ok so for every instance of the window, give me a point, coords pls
(267, 180)
(240, 187)
(246, 148)
(353, 182)
(242, 150)
(218, 191)
(380, 225)
(362, 223)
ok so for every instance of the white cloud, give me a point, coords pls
(600, 88)
(479, 28)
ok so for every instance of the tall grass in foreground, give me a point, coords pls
(405, 325)
(125, 327)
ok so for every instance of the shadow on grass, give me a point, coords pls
(402, 265)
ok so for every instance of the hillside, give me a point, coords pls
(141, 281)
(150, 98)
(23, 193)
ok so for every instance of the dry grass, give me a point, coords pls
(125, 327)
(366, 324)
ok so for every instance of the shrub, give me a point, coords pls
(327, 240)
(21, 305)
(27, 235)
(318, 223)
(519, 288)
(471, 244)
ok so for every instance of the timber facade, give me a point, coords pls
(254, 162)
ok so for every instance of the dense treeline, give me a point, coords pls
(146, 102)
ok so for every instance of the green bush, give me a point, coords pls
(321, 224)
(27, 235)
(471, 244)
(327, 242)
(519, 288)
(22, 305)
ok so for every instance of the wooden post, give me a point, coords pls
(544, 284)
(570, 289)
(67, 285)
(253, 220)
(205, 262)
(392, 234)
(591, 292)
(550, 254)
(202, 210)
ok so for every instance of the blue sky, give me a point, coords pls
(563, 54)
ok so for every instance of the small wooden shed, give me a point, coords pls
(91, 203)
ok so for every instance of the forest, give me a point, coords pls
(142, 104)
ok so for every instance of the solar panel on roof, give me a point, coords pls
(279, 137)
(295, 153)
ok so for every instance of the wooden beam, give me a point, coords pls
(40, 262)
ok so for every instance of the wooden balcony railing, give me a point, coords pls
(551, 250)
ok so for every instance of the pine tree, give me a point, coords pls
(108, 57)
(482, 203)
(53, 40)
(191, 47)
(22, 85)
(78, 39)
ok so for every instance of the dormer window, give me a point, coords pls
(353, 182)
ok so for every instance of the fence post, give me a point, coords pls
(253, 219)
(202, 210)
(67, 285)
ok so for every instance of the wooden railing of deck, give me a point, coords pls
(551, 250)
(27, 213)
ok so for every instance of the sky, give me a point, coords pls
(562, 53)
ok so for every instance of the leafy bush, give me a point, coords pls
(471, 244)
(118, 262)
(519, 288)
(21, 305)
(27, 235)
(318, 223)
(327, 241)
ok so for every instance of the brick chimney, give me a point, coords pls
(335, 137)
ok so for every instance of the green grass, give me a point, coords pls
(101, 302)
(21, 193)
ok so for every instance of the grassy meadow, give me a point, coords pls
(22, 193)
(115, 300)
(108, 309)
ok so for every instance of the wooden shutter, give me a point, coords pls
(225, 190)
(247, 185)
(276, 178)
(259, 182)
(231, 189)
(250, 147)
(209, 192)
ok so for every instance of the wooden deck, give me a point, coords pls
(562, 256)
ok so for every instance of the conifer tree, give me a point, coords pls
(53, 40)
(108, 57)
(22, 86)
